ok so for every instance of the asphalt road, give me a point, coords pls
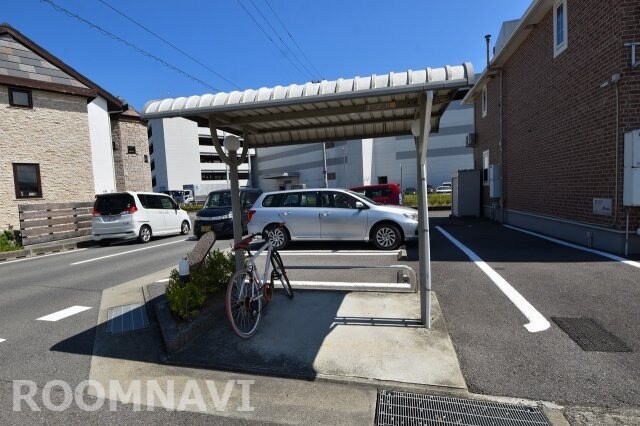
(498, 355)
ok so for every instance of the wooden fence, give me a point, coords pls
(43, 223)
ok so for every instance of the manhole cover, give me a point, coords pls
(403, 408)
(122, 319)
(590, 336)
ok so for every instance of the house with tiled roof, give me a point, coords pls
(63, 138)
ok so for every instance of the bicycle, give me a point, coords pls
(247, 289)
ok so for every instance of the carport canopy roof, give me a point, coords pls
(343, 109)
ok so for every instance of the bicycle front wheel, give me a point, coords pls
(244, 303)
(279, 274)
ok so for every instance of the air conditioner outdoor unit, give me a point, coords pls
(298, 186)
(471, 139)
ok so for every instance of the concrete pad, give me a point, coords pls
(373, 336)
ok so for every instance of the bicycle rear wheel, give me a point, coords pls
(243, 303)
(279, 274)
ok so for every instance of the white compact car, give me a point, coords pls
(141, 215)
(331, 215)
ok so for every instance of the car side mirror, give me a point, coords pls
(359, 205)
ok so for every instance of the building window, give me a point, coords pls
(210, 158)
(485, 167)
(26, 178)
(153, 181)
(331, 176)
(243, 175)
(214, 176)
(149, 132)
(329, 145)
(146, 158)
(150, 148)
(205, 141)
(559, 27)
(484, 101)
(20, 98)
(153, 165)
(131, 149)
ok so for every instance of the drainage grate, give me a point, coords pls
(122, 319)
(403, 408)
(590, 336)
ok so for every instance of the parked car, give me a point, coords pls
(216, 213)
(331, 215)
(385, 193)
(443, 189)
(410, 191)
(446, 184)
(181, 196)
(141, 215)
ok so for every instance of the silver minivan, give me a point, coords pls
(333, 215)
(141, 215)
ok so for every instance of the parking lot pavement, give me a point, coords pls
(499, 356)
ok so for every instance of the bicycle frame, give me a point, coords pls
(253, 267)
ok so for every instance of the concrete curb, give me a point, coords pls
(46, 248)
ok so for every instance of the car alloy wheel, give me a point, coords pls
(145, 234)
(387, 237)
(185, 228)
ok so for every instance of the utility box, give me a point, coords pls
(465, 193)
(631, 184)
(495, 181)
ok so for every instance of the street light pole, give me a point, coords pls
(344, 166)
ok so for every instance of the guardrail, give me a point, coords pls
(43, 223)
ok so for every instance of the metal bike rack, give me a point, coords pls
(405, 275)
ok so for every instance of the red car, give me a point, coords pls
(384, 193)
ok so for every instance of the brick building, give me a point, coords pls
(551, 111)
(58, 131)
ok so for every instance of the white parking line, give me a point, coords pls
(3, 340)
(127, 252)
(57, 316)
(575, 246)
(537, 321)
(41, 256)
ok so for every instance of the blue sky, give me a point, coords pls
(341, 38)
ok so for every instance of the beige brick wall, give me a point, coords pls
(55, 135)
(132, 172)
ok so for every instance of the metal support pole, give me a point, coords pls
(235, 206)
(423, 211)
(324, 165)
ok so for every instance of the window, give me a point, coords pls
(214, 175)
(382, 179)
(153, 165)
(26, 178)
(559, 27)
(20, 98)
(243, 175)
(153, 181)
(210, 158)
(146, 158)
(150, 148)
(131, 149)
(205, 141)
(329, 145)
(484, 101)
(149, 132)
(331, 176)
(344, 201)
(485, 167)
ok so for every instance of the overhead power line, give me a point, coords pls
(295, 56)
(128, 44)
(255, 21)
(169, 44)
(292, 39)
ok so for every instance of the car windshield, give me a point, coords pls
(218, 199)
(363, 197)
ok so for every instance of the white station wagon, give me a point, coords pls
(332, 215)
(141, 215)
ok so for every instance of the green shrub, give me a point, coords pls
(192, 207)
(186, 299)
(433, 200)
(8, 241)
